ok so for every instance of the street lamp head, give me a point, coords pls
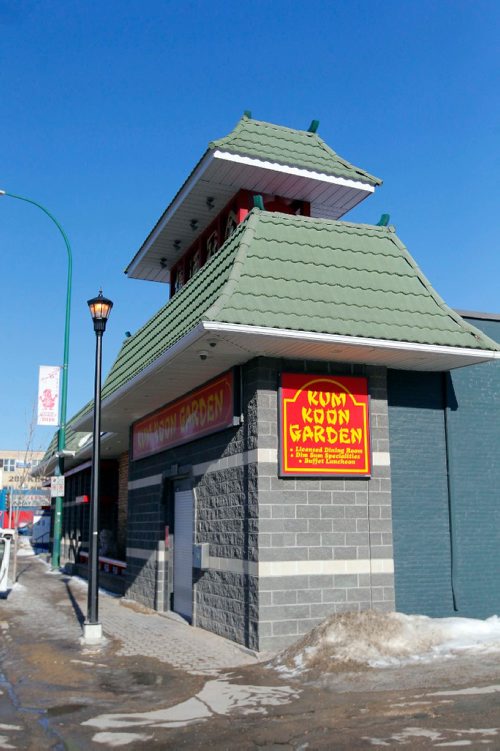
(100, 308)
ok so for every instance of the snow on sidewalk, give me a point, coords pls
(381, 640)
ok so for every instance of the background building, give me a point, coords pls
(16, 468)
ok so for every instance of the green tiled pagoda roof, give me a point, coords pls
(296, 148)
(340, 278)
(303, 274)
(294, 272)
(176, 318)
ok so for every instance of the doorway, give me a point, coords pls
(183, 549)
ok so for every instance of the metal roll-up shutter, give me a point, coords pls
(183, 553)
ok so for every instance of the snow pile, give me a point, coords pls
(371, 639)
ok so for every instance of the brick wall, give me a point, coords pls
(422, 555)
(122, 511)
(474, 456)
(446, 532)
(445, 439)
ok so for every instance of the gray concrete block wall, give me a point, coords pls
(226, 512)
(316, 520)
(144, 521)
(252, 518)
(227, 604)
(225, 517)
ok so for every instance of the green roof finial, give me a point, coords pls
(258, 202)
(248, 114)
(383, 221)
(313, 126)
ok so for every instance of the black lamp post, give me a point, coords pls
(100, 308)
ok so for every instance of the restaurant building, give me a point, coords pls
(290, 436)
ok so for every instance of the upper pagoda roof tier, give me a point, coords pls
(262, 158)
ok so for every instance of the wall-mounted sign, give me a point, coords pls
(57, 486)
(324, 425)
(30, 498)
(203, 411)
(48, 395)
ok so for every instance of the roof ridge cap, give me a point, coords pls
(281, 127)
(269, 215)
(440, 302)
(345, 162)
(243, 121)
(216, 142)
(234, 275)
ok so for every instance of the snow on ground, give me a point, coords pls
(25, 551)
(379, 640)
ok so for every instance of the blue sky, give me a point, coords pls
(106, 107)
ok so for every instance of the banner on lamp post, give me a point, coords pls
(48, 394)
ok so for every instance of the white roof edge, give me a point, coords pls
(220, 154)
(204, 327)
(388, 344)
(188, 186)
(169, 354)
(290, 170)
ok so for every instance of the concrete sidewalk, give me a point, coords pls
(159, 683)
(59, 602)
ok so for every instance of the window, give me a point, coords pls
(9, 465)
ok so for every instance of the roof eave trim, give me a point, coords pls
(480, 316)
(181, 196)
(387, 344)
(45, 468)
(291, 170)
(171, 353)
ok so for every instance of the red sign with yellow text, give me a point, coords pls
(324, 425)
(200, 413)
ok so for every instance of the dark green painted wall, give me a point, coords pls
(447, 536)
(419, 493)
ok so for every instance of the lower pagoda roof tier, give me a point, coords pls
(261, 158)
(292, 287)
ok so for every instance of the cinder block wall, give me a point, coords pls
(325, 546)
(224, 483)
(284, 553)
